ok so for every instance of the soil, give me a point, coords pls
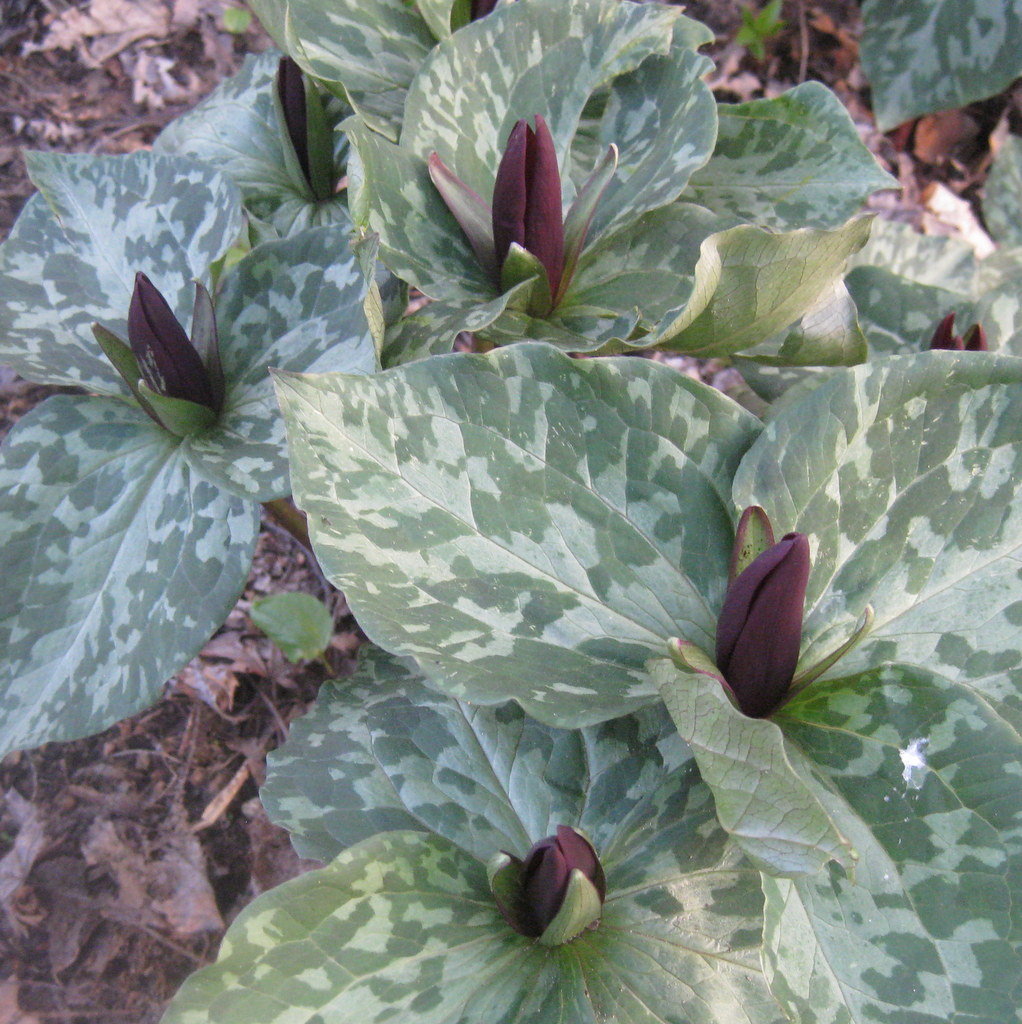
(124, 856)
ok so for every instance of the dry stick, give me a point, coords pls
(803, 38)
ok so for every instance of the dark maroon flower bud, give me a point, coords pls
(291, 89)
(759, 631)
(167, 359)
(527, 200)
(975, 339)
(480, 8)
(560, 873)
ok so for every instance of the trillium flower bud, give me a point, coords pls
(480, 8)
(975, 339)
(304, 120)
(526, 212)
(169, 363)
(759, 631)
(527, 199)
(555, 893)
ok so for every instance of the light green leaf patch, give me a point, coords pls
(907, 485)
(403, 922)
(616, 539)
(118, 563)
(795, 161)
(236, 130)
(928, 930)
(933, 55)
(71, 258)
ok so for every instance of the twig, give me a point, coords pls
(803, 38)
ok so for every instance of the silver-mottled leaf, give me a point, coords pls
(795, 161)
(294, 305)
(936, 260)
(118, 563)
(235, 129)
(927, 929)
(931, 55)
(403, 926)
(908, 487)
(1002, 207)
(899, 315)
(368, 51)
(525, 525)
(72, 256)
(678, 940)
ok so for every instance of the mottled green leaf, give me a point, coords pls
(899, 315)
(764, 792)
(937, 260)
(403, 926)
(236, 130)
(795, 161)
(616, 538)
(368, 51)
(118, 563)
(931, 55)
(907, 485)
(678, 940)
(928, 929)
(751, 284)
(72, 256)
(295, 304)
(299, 624)
(1002, 207)
(999, 310)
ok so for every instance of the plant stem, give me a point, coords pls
(284, 513)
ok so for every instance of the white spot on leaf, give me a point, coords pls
(914, 760)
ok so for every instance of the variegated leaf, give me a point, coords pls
(72, 256)
(403, 925)
(764, 792)
(908, 487)
(236, 130)
(616, 537)
(899, 315)
(118, 563)
(999, 309)
(927, 928)
(931, 55)
(751, 284)
(381, 752)
(1002, 207)
(533, 57)
(295, 305)
(795, 161)
(679, 936)
(943, 262)
(369, 52)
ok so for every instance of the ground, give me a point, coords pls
(124, 856)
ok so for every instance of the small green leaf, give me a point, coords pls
(299, 624)
(236, 20)
(178, 415)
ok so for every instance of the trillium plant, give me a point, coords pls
(677, 707)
